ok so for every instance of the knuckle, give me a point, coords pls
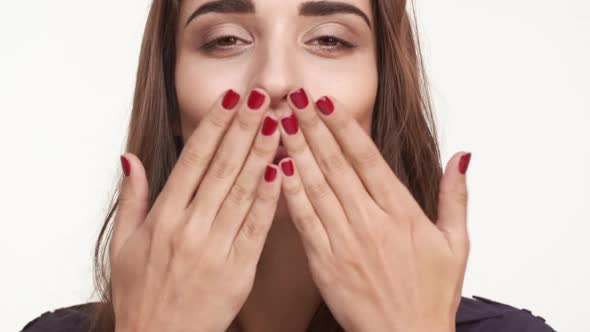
(306, 222)
(260, 151)
(161, 228)
(222, 168)
(240, 194)
(193, 156)
(293, 189)
(299, 149)
(350, 261)
(311, 123)
(333, 163)
(246, 123)
(183, 244)
(366, 159)
(461, 198)
(318, 190)
(177, 239)
(454, 197)
(253, 228)
(266, 196)
(124, 199)
(216, 120)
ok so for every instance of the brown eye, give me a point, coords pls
(221, 43)
(328, 41)
(330, 44)
(226, 41)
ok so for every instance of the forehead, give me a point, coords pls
(273, 7)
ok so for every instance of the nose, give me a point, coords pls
(275, 70)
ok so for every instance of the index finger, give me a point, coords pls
(379, 179)
(198, 152)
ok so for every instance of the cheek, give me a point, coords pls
(198, 88)
(355, 86)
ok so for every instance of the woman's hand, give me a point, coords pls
(190, 260)
(379, 263)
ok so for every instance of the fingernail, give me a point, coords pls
(270, 174)
(230, 100)
(299, 99)
(287, 168)
(255, 100)
(125, 165)
(325, 105)
(464, 162)
(269, 126)
(290, 124)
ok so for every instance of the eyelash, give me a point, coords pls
(343, 45)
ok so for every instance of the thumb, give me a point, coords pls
(132, 203)
(452, 203)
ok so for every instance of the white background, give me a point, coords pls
(510, 84)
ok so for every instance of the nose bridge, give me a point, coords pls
(276, 68)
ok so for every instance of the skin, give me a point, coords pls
(278, 51)
(218, 246)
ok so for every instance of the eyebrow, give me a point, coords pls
(309, 8)
(223, 6)
(322, 8)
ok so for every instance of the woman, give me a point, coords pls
(282, 174)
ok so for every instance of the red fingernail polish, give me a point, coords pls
(126, 165)
(464, 162)
(255, 100)
(269, 126)
(299, 99)
(230, 100)
(270, 174)
(290, 124)
(325, 105)
(287, 168)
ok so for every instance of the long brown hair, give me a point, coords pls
(402, 125)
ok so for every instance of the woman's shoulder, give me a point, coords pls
(75, 318)
(481, 314)
(474, 314)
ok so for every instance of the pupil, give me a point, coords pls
(226, 41)
(329, 40)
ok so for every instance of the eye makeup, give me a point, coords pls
(330, 39)
(223, 36)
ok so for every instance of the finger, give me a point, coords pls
(452, 205)
(378, 177)
(317, 189)
(242, 194)
(132, 202)
(249, 241)
(228, 161)
(197, 154)
(340, 175)
(314, 237)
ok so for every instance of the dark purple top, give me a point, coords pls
(475, 314)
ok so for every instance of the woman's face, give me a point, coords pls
(325, 47)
